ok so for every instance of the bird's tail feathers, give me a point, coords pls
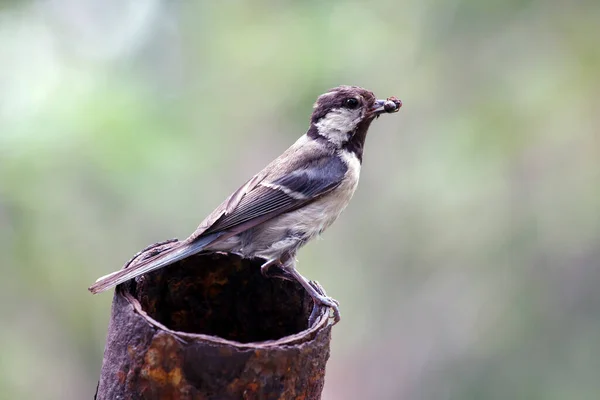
(161, 260)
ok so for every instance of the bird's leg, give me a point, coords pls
(315, 290)
(266, 271)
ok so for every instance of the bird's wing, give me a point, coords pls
(228, 206)
(263, 197)
(280, 191)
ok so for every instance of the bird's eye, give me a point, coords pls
(351, 103)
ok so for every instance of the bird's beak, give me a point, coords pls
(390, 105)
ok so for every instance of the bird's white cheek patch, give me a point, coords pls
(337, 125)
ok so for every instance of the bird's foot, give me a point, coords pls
(320, 298)
(284, 269)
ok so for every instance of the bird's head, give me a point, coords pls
(347, 111)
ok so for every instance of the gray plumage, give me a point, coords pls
(290, 201)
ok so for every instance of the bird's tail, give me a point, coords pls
(161, 260)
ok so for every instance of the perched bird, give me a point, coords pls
(292, 200)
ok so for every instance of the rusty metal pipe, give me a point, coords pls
(212, 327)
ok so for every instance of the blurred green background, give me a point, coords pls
(467, 265)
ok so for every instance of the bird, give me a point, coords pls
(291, 201)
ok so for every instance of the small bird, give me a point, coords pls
(292, 200)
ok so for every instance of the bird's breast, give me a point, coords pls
(314, 218)
(336, 201)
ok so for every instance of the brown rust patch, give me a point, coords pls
(121, 376)
(162, 362)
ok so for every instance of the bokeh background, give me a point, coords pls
(468, 263)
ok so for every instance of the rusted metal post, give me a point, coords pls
(212, 327)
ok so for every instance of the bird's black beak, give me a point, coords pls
(391, 105)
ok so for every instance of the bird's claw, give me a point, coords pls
(286, 271)
(322, 299)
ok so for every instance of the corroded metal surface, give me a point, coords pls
(212, 327)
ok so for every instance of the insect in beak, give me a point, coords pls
(390, 105)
